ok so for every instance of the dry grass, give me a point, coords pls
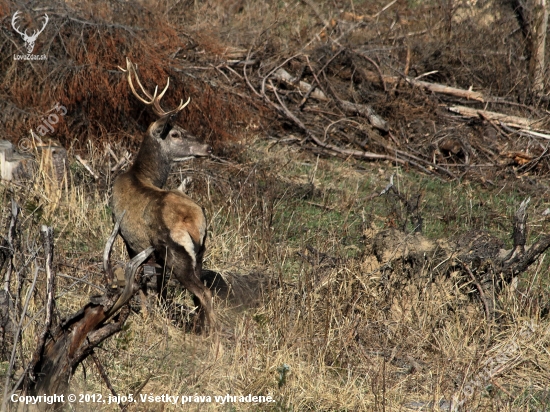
(354, 335)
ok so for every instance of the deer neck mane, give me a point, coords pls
(152, 164)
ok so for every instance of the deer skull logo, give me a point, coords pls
(32, 38)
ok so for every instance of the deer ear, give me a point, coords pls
(167, 127)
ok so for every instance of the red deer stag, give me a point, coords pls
(168, 220)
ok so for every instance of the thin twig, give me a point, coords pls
(330, 60)
(10, 245)
(47, 235)
(105, 377)
(482, 295)
(377, 67)
(315, 76)
(16, 339)
(108, 270)
(78, 280)
(137, 392)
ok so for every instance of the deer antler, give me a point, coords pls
(154, 100)
(37, 32)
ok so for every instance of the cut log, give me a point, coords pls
(433, 87)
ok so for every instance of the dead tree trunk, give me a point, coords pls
(538, 43)
(479, 256)
(61, 347)
(74, 340)
(532, 16)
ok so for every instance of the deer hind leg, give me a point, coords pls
(185, 269)
(203, 299)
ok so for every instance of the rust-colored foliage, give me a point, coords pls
(84, 46)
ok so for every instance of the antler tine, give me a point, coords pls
(154, 100)
(160, 111)
(130, 69)
(14, 19)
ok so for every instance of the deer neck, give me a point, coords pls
(152, 165)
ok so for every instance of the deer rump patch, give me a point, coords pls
(183, 238)
(186, 223)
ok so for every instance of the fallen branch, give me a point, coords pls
(440, 88)
(525, 125)
(87, 167)
(524, 132)
(287, 78)
(433, 87)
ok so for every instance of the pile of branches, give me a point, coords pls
(361, 89)
(343, 104)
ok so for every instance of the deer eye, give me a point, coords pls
(175, 134)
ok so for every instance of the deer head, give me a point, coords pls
(164, 141)
(30, 40)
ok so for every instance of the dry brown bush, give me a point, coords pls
(85, 43)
